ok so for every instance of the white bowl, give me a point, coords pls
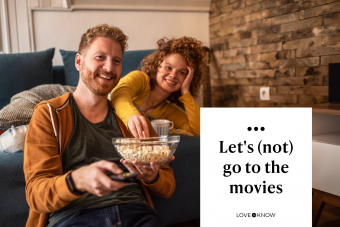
(146, 150)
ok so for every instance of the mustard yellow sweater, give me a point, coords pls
(134, 87)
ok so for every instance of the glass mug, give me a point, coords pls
(162, 126)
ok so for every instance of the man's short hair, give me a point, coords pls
(102, 30)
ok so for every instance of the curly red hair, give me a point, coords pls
(191, 49)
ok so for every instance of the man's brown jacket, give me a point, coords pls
(46, 139)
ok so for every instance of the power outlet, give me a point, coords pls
(264, 94)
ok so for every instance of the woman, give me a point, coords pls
(169, 79)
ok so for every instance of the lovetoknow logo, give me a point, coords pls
(255, 215)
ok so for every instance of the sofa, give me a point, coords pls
(19, 72)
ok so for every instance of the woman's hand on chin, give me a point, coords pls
(186, 83)
(137, 125)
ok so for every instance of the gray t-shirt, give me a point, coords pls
(90, 143)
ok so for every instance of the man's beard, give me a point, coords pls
(97, 88)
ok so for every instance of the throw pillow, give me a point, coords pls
(24, 71)
(20, 110)
(131, 62)
(71, 73)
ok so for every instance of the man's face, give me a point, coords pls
(100, 66)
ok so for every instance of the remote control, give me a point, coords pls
(124, 177)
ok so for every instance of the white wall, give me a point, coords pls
(35, 25)
(63, 29)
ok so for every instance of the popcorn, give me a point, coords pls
(144, 151)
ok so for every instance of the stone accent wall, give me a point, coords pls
(283, 44)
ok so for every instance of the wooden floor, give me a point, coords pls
(330, 216)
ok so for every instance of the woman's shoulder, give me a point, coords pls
(136, 81)
(138, 74)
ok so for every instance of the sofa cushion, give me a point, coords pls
(186, 167)
(59, 75)
(24, 71)
(71, 73)
(131, 62)
(13, 205)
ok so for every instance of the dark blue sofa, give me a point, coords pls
(184, 205)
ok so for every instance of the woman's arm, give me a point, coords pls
(192, 123)
(135, 84)
(193, 113)
(189, 121)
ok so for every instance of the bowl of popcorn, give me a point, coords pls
(146, 150)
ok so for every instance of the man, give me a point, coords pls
(68, 150)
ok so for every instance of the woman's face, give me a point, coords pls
(172, 72)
